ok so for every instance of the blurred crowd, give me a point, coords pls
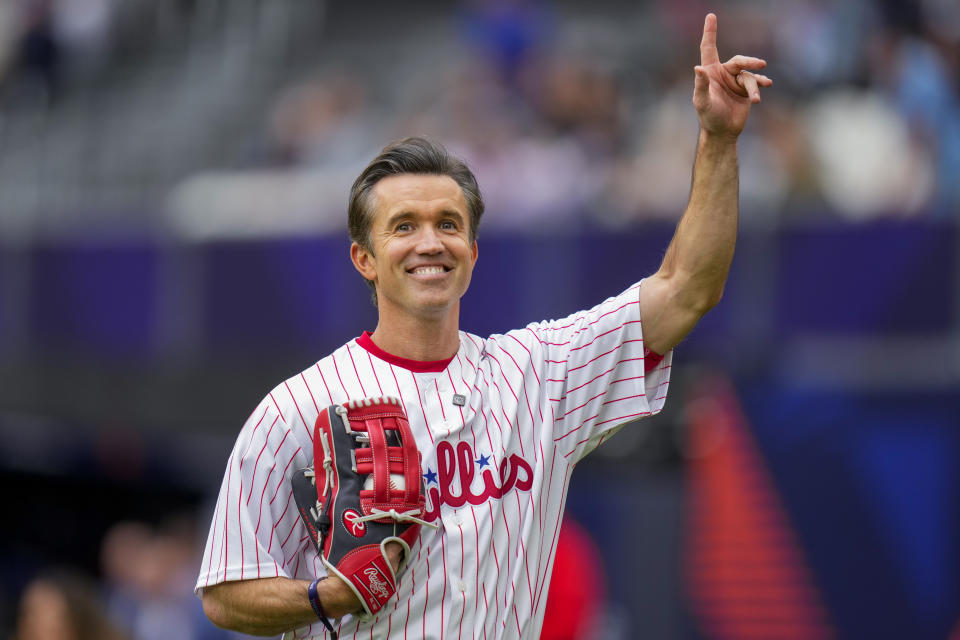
(569, 120)
(571, 114)
(45, 42)
(143, 590)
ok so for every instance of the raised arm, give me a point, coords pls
(691, 279)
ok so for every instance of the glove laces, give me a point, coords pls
(398, 516)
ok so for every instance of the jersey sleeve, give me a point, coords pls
(255, 531)
(598, 378)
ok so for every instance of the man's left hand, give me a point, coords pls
(723, 92)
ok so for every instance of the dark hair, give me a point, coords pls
(414, 156)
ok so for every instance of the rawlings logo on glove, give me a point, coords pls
(364, 490)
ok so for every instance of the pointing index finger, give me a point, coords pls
(708, 45)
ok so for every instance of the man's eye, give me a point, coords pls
(404, 226)
(448, 225)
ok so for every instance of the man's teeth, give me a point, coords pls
(428, 270)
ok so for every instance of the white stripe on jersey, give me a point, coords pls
(496, 469)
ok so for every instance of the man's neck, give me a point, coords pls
(423, 339)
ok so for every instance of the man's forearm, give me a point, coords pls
(694, 269)
(701, 251)
(271, 606)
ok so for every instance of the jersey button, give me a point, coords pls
(462, 586)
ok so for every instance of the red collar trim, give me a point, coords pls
(417, 366)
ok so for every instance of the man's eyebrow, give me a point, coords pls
(454, 213)
(405, 214)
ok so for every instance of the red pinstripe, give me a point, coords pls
(476, 575)
(399, 394)
(285, 469)
(355, 371)
(292, 528)
(463, 595)
(240, 492)
(278, 521)
(422, 410)
(553, 462)
(256, 531)
(413, 589)
(306, 385)
(486, 423)
(595, 378)
(256, 464)
(506, 419)
(588, 324)
(463, 421)
(615, 400)
(526, 398)
(523, 547)
(485, 608)
(556, 531)
(443, 596)
(380, 388)
(584, 314)
(336, 368)
(325, 385)
(226, 518)
(426, 597)
(597, 357)
(578, 407)
(443, 414)
(303, 421)
(493, 540)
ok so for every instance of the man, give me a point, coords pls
(530, 403)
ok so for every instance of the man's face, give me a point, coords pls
(422, 255)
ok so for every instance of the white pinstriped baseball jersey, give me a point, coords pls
(496, 467)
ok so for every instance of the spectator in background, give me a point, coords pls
(39, 58)
(147, 571)
(64, 604)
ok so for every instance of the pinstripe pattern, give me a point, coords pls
(497, 468)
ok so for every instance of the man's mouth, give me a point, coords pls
(427, 270)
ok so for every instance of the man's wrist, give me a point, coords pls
(717, 141)
(337, 598)
(317, 604)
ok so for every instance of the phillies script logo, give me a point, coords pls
(377, 586)
(456, 469)
(356, 529)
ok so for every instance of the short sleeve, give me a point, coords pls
(597, 380)
(255, 531)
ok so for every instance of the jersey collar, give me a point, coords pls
(417, 366)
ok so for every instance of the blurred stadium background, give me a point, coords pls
(173, 180)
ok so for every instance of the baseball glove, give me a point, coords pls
(364, 490)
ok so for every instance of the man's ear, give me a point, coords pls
(475, 252)
(363, 261)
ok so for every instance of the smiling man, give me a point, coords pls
(416, 242)
(499, 421)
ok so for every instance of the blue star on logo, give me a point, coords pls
(483, 461)
(430, 476)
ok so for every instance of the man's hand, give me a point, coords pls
(344, 598)
(723, 93)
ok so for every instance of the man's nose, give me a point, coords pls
(428, 241)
